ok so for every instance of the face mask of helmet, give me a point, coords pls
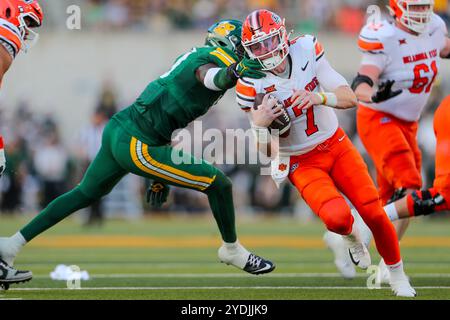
(30, 38)
(270, 50)
(416, 15)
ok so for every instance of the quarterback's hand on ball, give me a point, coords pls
(305, 99)
(157, 194)
(264, 114)
(248, 68)
(385, 92)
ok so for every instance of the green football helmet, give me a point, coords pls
(226, 33)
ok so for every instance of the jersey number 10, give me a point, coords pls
(422, 83)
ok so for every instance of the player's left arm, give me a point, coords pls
(338, 93)
(445, 52)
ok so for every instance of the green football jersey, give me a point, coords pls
(175, 99)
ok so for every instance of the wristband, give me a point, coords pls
(328, 99)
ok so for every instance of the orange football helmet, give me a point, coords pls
(25, 15)
(413, 14)
(265, 39)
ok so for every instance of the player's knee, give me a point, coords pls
(373, 213)
(221, 183)
(337, 216)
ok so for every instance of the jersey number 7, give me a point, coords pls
(311, 126)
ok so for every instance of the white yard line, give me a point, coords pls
(239, 275)
(216, 288)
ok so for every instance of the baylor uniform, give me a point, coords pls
(137, 140)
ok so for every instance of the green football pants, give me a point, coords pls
(120, 154)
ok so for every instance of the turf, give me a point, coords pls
(175, 258)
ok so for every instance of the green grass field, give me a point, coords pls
(175, 258)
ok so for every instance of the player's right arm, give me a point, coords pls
(218, 78)
(374, 61)
(5, 62)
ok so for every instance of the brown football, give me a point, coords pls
(282, 124)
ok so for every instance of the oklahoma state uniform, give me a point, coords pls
(324, 164)
(388, 129)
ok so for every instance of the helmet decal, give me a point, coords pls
(224, 28)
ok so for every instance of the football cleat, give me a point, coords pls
(402, 288)
(9, 275)
(244, 260)
(358, 252)
(382, 275)
(342, 260)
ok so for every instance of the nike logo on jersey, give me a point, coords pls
(304, 68)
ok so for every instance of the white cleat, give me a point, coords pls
(358, 252)
(382, 275)
(7, 254)
(402, 288)
(342, 260)
(241, 258)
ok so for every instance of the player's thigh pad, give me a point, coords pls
(166, 164)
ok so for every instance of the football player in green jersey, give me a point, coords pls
(137, 140)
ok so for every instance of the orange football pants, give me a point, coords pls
(392, 145)
(336, 167)
(442, 131)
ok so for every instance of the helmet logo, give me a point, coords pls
(224, 28)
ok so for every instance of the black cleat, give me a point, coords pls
(257, 265)
(9, 275)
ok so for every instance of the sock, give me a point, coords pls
(396, 271)
(56, 211)
(11, 246)
(220, 196)
(391, 212)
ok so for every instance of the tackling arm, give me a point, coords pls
(363, 84)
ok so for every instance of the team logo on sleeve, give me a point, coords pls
(224, 28)
(270, 89)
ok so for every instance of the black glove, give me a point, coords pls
(157, 194)
(385, 92)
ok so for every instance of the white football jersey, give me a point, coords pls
(10, 37)
(308, 128)
(411, 61)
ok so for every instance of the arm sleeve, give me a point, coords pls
(245, 94)
(329, 78)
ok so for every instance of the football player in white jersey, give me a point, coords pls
(401, 60)
(17, 18)
(317, 156)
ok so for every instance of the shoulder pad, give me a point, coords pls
(375, 37)
(437, 24)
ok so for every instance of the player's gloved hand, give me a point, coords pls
(157, 194)
(385, 92)
(247, 68)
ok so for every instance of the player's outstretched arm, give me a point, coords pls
(222, 79)
(5, 62)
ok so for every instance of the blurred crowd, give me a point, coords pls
(303, 16)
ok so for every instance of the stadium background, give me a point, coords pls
(56, 99)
